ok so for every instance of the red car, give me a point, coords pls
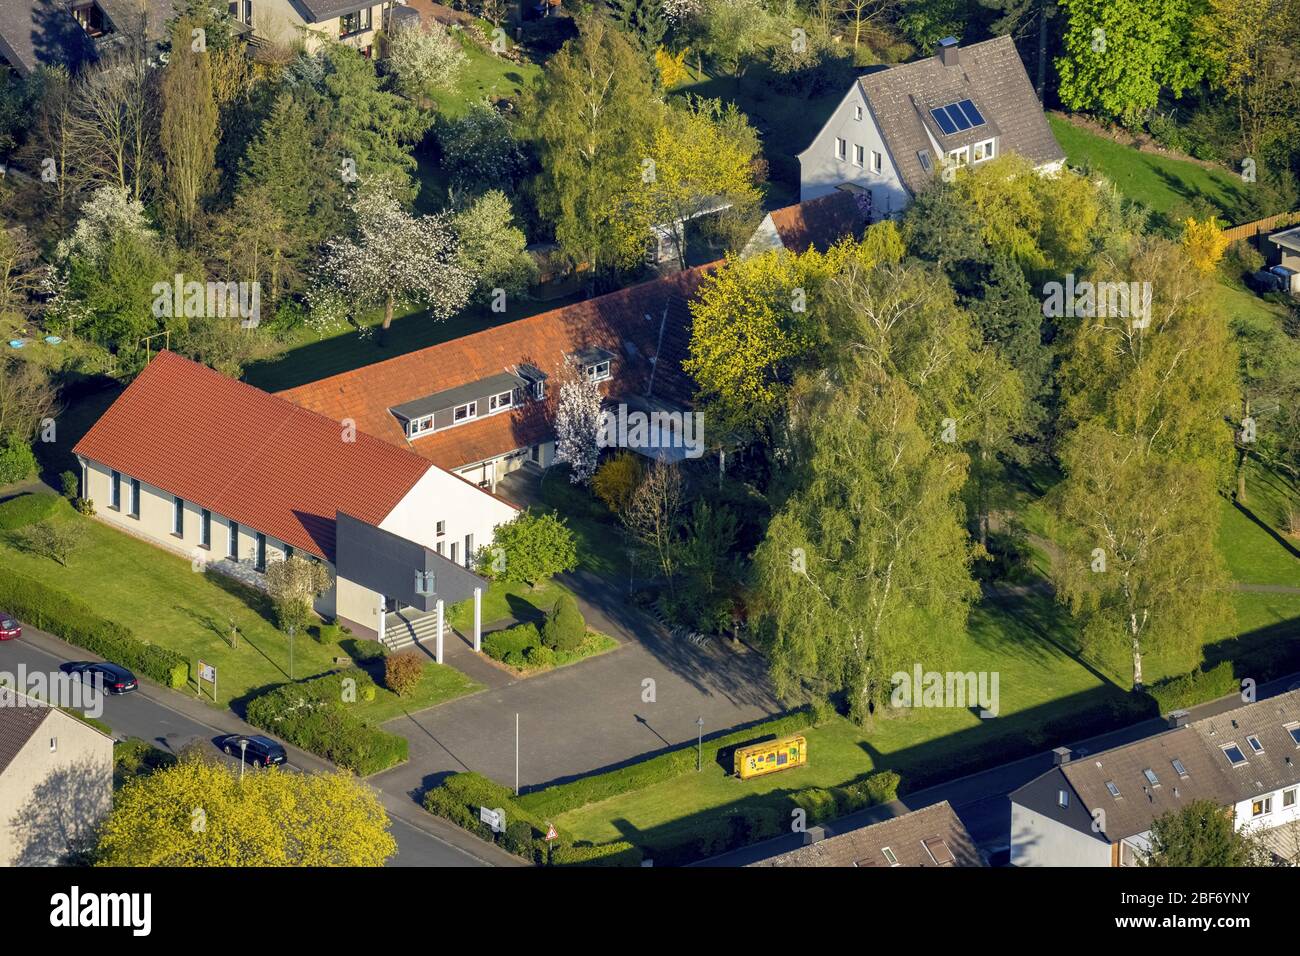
(9, 627)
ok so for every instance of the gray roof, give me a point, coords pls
(18, 724)
(989, 74)
(314, 11)
(451, 397)
(932, 836)
(1198, 747)
(1287, 238)
(387, 563)
(43, 32)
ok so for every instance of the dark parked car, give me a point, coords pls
(259, 751)
(113, 678)
(9, 627)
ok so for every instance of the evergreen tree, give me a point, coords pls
(643, 20)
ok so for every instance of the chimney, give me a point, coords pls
(1178, 718)
(1060, 756)
(949, 53)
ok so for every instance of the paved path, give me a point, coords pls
(172, 720)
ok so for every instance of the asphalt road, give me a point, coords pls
(144, 715)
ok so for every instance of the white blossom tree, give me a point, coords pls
(396, 258)
(577, 427)
(423, 57)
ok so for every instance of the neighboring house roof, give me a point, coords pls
(264, 462)
(1198, 747)
(1287, 238)
(17, 725)
(932, 836)
(315, 11)
(989, 74)
(819, 223)
(43, 32)
(626, 323)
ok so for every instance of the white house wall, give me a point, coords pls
(441, 496)
(821, 171)
(1038, 840)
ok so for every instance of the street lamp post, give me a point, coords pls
(699, 745)
(243, 746)
(291, 631)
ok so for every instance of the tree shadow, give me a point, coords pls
(58, 822)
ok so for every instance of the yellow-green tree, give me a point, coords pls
(199, 813)
(1204, 243)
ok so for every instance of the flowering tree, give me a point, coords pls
(395, 258)
(424, 57)
(577, 425)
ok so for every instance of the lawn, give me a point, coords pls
(485, 76)
(503, 602)
(160, 597)
(1162, 183)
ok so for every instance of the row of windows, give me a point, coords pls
(468, 412)
(967, 154)
(440, 530)
(859, 155)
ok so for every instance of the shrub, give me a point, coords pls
(616, 480)
(70, 483)
(1175, 693)
(823, 711)
(515, 640)
(23, 510)
(330, 633)
(459, 797)
(56, 540)
(363, 651)
(64, 616)
(17, 462)
(539, 656)
(620, 853)
(402, 672)
(564, 628)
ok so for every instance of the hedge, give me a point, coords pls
(621, 853)
(24, 510)
(512, 644)
(1175, 693)
(553, 801)
(313, 715)
(77, 623)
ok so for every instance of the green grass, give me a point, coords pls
(503, 601)
(160, 597)
(1161, 183)
(1254, 556)
(485, 76)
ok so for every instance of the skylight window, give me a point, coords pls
(1294, 731)
(1234, 755)
(1114, 790)
(1180, 769)
(1151, 777)
(1255, 745)
(889, 856)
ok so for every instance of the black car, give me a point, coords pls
(113, 678)
(258, 750)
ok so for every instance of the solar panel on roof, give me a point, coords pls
(941, 117)
(971, 112)
(958, 117)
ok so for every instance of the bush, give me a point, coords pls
(314, 715)
(564, 629)
(616, 480)
(459, 797)
(533, 547)
(621, 853)
(1168, 133)
(71, 484)
(23, 510)
(1176, 693)
(330, 633)
(64, 616)
(17, 463)
(363, 651)
(402, 672)
(540, 656)
(515, 640)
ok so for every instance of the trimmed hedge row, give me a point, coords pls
(24, 510)
(314, 715)
(553, 801)
(1176, 693)
(51, 610)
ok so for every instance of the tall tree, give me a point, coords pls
(188, 132)
(643, 20)
(1201, 834)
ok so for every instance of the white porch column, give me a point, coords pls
(478, 619)
(438, 655)
(382, 618)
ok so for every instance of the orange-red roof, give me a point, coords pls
(266, 463)
(631, 316)
(819, 222)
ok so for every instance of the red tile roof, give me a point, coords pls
(819, 222)
(248, 455)
(632, 315)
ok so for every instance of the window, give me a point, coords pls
(469, 550)
(241, 10)
(418, 426)
(539, 389)
(958, 157)
(135, 498)
(857, 112)
(440, 528)
(858, 154)
(1180, 769)
(439, 546)
(205, 528)
(497, 403)
(463, 413)
(261, 551)
(178, 517)
(924, 157)
(889, 856)
(353, 23)
(232, 541)
(1288, 798)
(54, 744)
(1234, 755)
(1114, 790)
(1261, 806)
(1151, 777)
(1063, 798)
(115, 491)
(455, 558)
(288, 551)
(1255, 745)
(983, 150)
(841, 149)
(877, 162)
(1294, 731)
(598, 371)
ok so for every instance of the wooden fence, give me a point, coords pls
(1252, 229)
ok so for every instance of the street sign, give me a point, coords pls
(207, 672)
(496, 819)
(550, 832)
